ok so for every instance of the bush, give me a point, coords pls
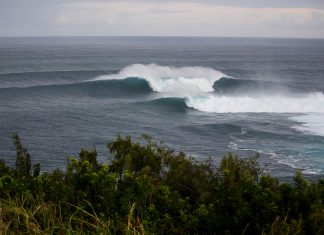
(148, 188)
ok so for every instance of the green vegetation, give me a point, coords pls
(150, 189)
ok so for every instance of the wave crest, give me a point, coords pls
(176, 81)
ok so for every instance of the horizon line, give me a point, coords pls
(154, 36)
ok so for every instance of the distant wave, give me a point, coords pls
(34, 73)
(220, 128)
(30, 79)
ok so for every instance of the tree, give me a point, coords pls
(23, 162)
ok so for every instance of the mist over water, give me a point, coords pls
(203, 96)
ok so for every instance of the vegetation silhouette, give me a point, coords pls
(150, 189)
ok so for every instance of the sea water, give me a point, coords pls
(204, 96)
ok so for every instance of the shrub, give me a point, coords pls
(149, 188)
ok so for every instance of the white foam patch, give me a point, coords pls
(175, 81)
(311, 103)
(311, 123)
(301, 163)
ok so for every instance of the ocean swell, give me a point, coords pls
(108, 88)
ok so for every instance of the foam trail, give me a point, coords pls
(311, 103)
(311, 123)
(175, 81)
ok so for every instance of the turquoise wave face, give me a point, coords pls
(173, 104)
(231, 86)
(108, 88)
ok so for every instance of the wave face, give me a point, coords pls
(231, 86)
(110, 88)
(171, 103)
(178, 82)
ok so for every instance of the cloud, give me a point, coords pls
(163, 18)
(232, 3)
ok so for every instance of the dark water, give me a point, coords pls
(204, 96)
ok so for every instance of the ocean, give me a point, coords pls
(204, 96)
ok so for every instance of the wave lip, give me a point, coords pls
(174, 81)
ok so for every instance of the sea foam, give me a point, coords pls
(310, 122)
(311, 103)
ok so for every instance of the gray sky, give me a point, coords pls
(256, 18)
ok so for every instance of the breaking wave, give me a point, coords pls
(174, 81)
(209, 90)
(311, 103)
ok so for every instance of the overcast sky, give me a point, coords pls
(245, 18)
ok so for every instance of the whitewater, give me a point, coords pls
(203, 96)
(195, 84)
